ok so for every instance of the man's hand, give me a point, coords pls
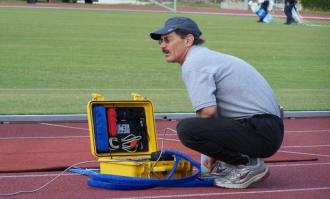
(207, 112)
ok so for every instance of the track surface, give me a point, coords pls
(278, 14)
(288, 180)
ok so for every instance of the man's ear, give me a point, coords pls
(189, 40)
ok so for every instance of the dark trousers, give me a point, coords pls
(288, 13)
(231, 140)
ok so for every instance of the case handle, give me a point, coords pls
(137, 96)
(97, 97)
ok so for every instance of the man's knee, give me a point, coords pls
(182, 128)
(185, 129)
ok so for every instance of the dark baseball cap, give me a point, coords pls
(177, 23)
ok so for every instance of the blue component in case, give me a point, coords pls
(100, 129)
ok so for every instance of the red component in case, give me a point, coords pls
(112, 122)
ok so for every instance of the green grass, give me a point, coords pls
(51, 60)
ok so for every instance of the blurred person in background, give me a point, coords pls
(262, 9)
(267, 6)
(289, 6)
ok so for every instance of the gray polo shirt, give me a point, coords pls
(234, 86)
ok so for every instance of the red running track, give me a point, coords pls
(288, 180)
(324, 16)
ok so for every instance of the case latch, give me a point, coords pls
(97, 97)
(137, 96)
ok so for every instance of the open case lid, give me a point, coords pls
(121, 128)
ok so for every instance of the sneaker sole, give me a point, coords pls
(246, 184)
(208, 176)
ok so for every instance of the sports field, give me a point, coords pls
(51, 60)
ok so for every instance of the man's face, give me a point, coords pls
(174, 47)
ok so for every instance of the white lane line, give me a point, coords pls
(161, 139)
(291, 131)
(300, 164)
(308, 131)
(166, 139)
(154, 10)
(288, 131)
(37, 175)
(64, 126)
(233, 193)
(283, 147)
(269, 165)
(50, 137)
(305, 146)
(301, 153)
(91, 89)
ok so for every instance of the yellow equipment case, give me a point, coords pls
(123, 139)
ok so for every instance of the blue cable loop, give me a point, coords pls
(116, 182)
(176, 163)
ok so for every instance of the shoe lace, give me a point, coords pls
(237, 173)
(222, 168)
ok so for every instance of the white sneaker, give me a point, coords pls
(243, 176)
